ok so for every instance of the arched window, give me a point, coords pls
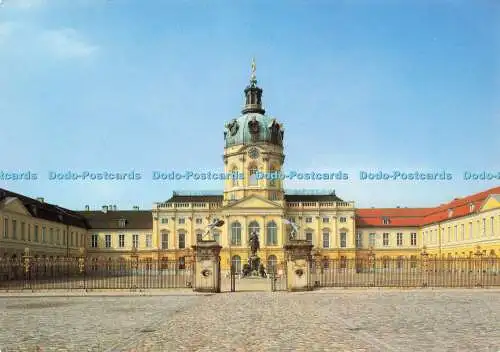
(253, 227)
(236, 234)
(252, 176)
(234, 176)
(272, 263)
(273, 171)
(326, 239)
(236, 263)
(272, 234)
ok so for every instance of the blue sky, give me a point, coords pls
(124, 85)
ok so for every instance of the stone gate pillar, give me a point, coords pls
(298, 260)
(207, 276)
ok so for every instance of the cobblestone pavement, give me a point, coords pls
(326, 320)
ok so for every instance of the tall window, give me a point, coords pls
(216, 235)
(149, 240)
(484, 227)
(107, 241)
(309, 219)
(29, 232)
(14, 229)
(413, 239)
(182, 221)
(252, 178)
(164, 220)
(234, 176)
(95, 239)
(58, 236)
(326, 239)
(43, 234)
(199, 221)
(385, 239)
(359, 240)
(470, 230)
(236, 234)
(199, 236)
(253, 227)
(182, 240)
(121, 240)
(455, 233)
(35, 234)
(5, 228)
(326, 219)
(399, 239)
(343, 219)
(23, 229)
(164, 240)
(272, 181)
(343, 240)
(272, 234)
(462, 232)
(63, 237)
(236, 263)
(371, 239)
(309, 237)
(135, 240)
(51, 235)
(492, 221)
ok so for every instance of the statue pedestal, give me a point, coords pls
(206, 276)
(298, 265)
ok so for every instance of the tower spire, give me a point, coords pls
(253, 94)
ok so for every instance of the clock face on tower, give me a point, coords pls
(253, 153)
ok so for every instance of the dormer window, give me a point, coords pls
(386, 221)
(450, 213)
(471, 207)
(122, 223)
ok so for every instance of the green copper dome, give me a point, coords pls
(253, 128)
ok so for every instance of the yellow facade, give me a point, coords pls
(21, 230)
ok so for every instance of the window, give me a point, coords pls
(234, 176)
(413, 239)
(51, 235)
(182, 263)
(58, 236)
(236, 263)
(29, 232)
(399, 239)
(484, 227)
(236, 234)
(64, 236)
(343, 240)
(309, 236)
(455, 233)
(252, 180)
(386, 221)
(199, 237)
(199, 221)
(107, 241)
(326, 219)
(35, 234)
(43, 234)
(371, 239)
(164, 220)
(182, 240)
(292, 219)
(72, 238)
(272, 234)
(23, 230)
(309, 219)
(253, 227)
(94, 241)
(385, 239)
(14, 229)
(273, 196)
(135, 240)
(359, 240)
(343, 219)
(462, 232)
(164, 240)
(121, 240)
(413, 261)
(182, 221)
(449, 233)
(122, 223)
(216, 235)
(149, 240)
(326, 239)
(470, 230)
(5, 228)
(492, 220)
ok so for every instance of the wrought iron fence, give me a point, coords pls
(81, 273)
(429, 272)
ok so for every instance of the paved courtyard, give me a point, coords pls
(324, 320)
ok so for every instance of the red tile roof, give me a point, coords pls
(408, 217)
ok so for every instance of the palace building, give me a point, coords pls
(253, 142)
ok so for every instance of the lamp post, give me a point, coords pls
(81, 265)
(27, 264)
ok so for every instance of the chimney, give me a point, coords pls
(110, 207)
(104, 208)
(114, 207)
(136, 207)
(87, 208)
(40, 199)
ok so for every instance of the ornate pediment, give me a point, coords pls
(253, 202)
(14, 205)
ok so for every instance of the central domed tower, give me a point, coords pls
(253, 148)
